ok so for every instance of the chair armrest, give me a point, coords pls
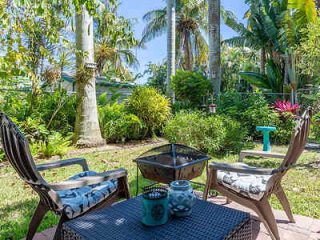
(264, 154)
(63, 163)
(90, 180)
(241, 169)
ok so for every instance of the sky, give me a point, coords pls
(155, 50)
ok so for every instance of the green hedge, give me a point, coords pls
(212, 134)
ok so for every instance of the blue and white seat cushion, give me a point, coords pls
(79, 200)
(249, 185)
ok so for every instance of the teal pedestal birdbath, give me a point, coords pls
(266, 136)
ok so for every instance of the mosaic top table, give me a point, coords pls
(123, 221)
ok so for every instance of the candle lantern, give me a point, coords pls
(155, 206)
(212, 108)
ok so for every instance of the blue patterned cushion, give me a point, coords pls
(79, 200)
(249, 185)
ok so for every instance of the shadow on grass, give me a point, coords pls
(15, 219)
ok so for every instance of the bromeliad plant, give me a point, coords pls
(285, 107)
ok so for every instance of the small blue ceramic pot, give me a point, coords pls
(181, 198)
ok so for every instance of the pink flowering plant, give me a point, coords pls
(285, 107)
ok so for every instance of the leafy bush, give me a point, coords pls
(33, 129)
(191, 86)
(150, 107)
(285, 125)
(57, 110)
(235, 135)
(157, 75)
(117, 125)
(56, 144)
(182, 106)
(316, 127)
(212, 134)
(253, 110)
(128, 127)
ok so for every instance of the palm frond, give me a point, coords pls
(128, 57)
(231, 21)
(156, 26)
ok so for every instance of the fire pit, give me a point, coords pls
(171, 162)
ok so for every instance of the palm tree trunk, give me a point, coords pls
(180, 51)
(87, 130)
(262, 60)
(187, 52)
(214, 45)
(171, 44)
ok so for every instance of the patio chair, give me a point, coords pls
(252, 187)
(79, 194)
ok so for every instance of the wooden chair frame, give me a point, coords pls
(17, 151)
(262, 207)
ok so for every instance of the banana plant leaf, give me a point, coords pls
(271, 81)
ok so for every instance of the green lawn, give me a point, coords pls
(18, 201)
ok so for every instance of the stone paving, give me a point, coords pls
(305, 228)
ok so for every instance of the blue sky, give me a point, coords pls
(155, 50)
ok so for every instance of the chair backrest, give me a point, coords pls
(298, 139)
(17, 151)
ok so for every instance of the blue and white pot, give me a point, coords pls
(181, 198)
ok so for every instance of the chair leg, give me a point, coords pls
(37, 217)
(126, 188)
(264, 211)
(280, 194)
(208, 184)
(58, 233)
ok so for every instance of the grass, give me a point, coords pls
(18, 201)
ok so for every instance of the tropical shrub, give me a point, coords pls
(259, 116)
(191, 86)
(316, 127)
(196, 130)
(253, 110)
(285, 106)
(157, 75)
(57, 110)
(178, 106)
(150, 107)
(56, 144)
(210, 133)
(128, 127)
(117, 125)
(235, 137)
(285, 125)
(271, 81)
(41, 118)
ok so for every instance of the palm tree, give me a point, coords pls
(191, 24)
(214, 45)
(171, 42)
(115, 41)
(87, 130)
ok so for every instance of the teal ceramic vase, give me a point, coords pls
(181, 198)
(155, 207)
